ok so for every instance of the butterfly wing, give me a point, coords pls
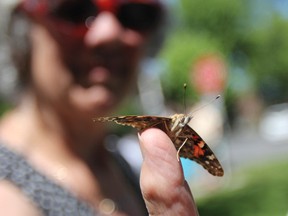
(138, 122)
(197, 150)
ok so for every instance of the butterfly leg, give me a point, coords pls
(178, 151)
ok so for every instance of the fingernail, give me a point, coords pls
(141, 142)
(139, 136)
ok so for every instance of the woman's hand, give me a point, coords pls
(162, 182)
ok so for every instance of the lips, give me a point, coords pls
(99, 75)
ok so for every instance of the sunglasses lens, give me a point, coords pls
(140, 17)
(132, 15)
(75, 11)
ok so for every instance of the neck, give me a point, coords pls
(54, 132)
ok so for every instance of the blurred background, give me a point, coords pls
(235, 48)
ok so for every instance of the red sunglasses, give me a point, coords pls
(73, 17)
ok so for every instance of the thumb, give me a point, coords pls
(162, 182)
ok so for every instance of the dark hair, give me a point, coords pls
(17, 47)
(18, 31)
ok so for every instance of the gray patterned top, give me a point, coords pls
(50, 198)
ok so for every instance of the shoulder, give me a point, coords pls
(14, 203)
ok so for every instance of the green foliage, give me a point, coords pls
(264, 193)
(183, 49)
(209, 27)
(234, 29)
(4, 107)
(268, 54)
(218, 18)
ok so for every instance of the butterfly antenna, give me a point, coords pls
(207, 104)
(184, 97)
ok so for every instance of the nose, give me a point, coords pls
(106, 29)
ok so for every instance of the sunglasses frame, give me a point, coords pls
(42, 11)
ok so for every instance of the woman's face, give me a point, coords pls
(88, 74)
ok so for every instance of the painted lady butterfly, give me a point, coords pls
(187, 142)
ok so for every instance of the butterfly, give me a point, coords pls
(187, 142)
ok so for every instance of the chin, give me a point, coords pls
(96, 100)
(98, 108)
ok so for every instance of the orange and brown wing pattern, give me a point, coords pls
(197, 150)
(194, 148)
